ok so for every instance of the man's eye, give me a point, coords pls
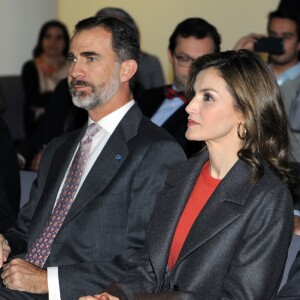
(183, 58)
(91, 58)
(71, 59)
(287, 36)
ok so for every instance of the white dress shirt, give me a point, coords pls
(166, 110)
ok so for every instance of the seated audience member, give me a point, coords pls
(285, 24)
(149, 73)
(41, 75)
(166, 105)
(96, 187)
(285, 66)
(9, 179)
(221, 227)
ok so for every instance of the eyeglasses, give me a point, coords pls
(184, 60)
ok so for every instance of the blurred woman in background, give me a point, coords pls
(41, 75)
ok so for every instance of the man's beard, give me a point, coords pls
(98, 95)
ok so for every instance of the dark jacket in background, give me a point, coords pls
(176, 125)
(9, 179)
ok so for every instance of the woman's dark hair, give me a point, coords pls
(38, 49)
(257, 97)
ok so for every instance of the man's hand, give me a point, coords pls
(23, 276)
(4, 250)
(103, 296)
(296, 225)
(247, 42)
(35, 163)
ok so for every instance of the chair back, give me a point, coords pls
(27, 178)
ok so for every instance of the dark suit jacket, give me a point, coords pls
(176, 125)
(107, 221)
(236, 248)
(9, 179)
(149, 72)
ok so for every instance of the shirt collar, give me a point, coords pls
(289, 74)
(111, 121)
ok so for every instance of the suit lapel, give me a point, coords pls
(108, 162)
(220, 208)
(102, 172)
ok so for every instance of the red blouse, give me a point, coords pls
(202, 190)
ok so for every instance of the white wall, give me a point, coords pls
(20, 22)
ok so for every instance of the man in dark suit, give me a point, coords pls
(82, 224)
(165, 105)
(9, 179)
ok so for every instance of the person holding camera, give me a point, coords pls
(284, 25)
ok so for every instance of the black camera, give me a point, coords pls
(271, 45)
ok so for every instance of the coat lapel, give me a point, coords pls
(170, 205)
(219, 211)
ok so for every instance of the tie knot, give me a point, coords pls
(170, 94)
(91, 131)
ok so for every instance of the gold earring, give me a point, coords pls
(241, 135)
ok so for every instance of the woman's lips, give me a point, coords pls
(192, 122)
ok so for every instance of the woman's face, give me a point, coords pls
(212, 115)
(53, 42)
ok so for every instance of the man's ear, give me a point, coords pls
(170, 57)
(128, 69)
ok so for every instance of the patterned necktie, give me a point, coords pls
(170, 94)
(40, 250)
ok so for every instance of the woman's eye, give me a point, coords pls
(207, 97)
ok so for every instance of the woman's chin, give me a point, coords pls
(192, 137)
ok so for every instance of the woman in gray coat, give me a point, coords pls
(223, 223)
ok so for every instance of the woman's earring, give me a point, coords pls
(241, 132)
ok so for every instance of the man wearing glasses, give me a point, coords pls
(165, 105)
